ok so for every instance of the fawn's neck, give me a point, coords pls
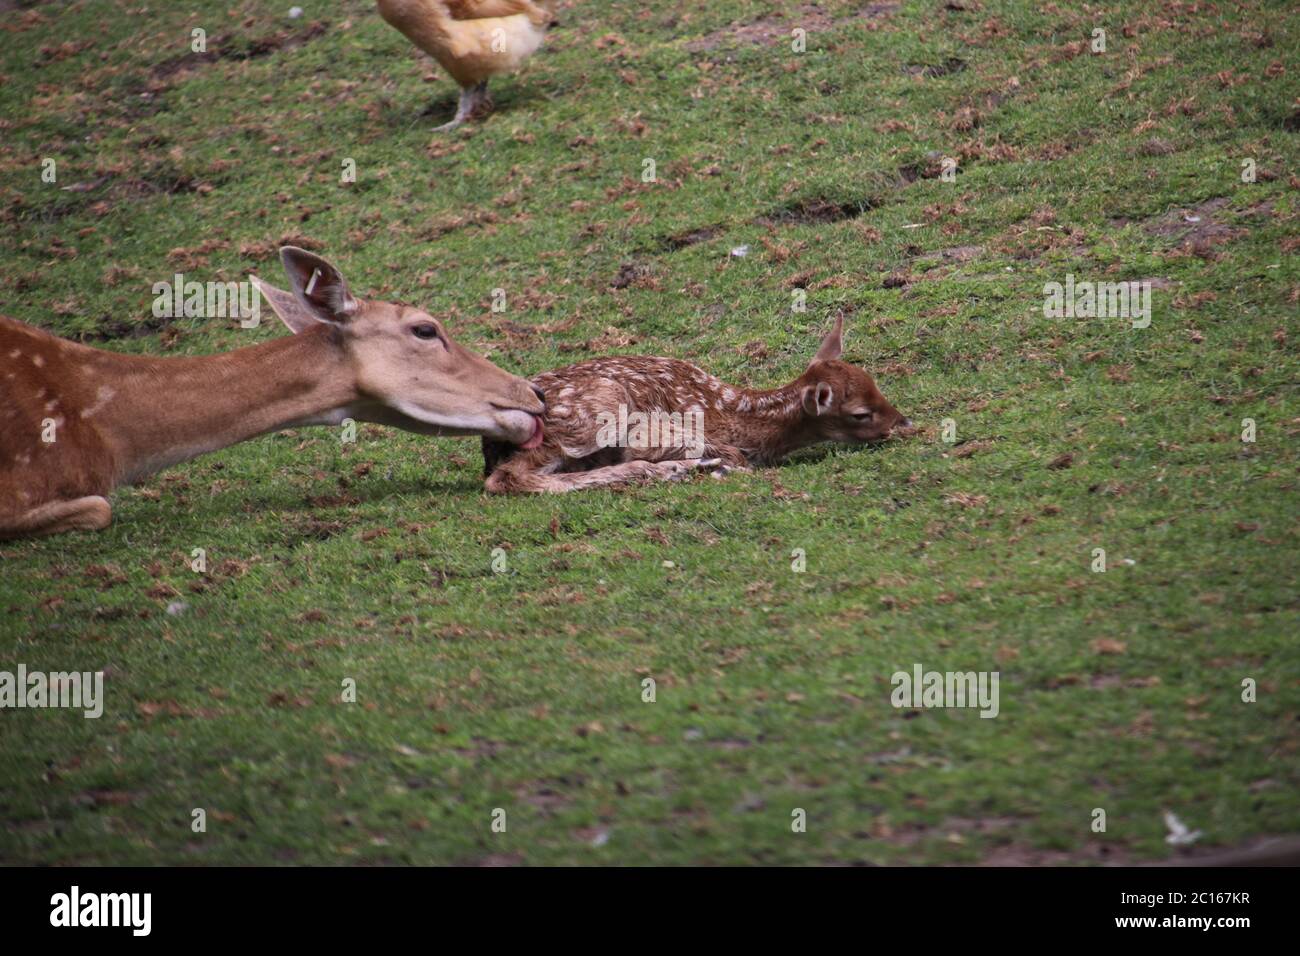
(768, 424)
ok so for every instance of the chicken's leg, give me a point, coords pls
(471, 98)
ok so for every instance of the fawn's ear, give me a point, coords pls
(817, 399)
(833, 344)
(286, 305)
(318, 286)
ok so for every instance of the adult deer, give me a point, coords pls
(75, 422)
(684, 419)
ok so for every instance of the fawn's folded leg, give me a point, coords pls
(518, 476)
(78, 514)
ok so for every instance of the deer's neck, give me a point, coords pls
(158, 412)
(768, 424)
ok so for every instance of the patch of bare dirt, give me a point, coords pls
(163, 178)
(689, 238)
(1195, 222)
(934, 70)
(816, 209)
(547, 799)
(1198, 230)
(953, 254)
(230, 47)
(1015, 854)
(633, 274)
(952, 829)
(110, 329)
(451, 223)
(480, 748)
(931, 168)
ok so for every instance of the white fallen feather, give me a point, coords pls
(1179, 835)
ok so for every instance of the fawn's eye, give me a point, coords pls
(862, 416)
(425, 331)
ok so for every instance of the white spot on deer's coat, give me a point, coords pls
(15, 353)
(102, 398)
(38, 361)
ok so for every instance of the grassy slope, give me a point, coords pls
(522, 690)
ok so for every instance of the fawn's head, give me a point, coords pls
(841, 401)
(409, 373)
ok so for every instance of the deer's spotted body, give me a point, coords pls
(831, 401)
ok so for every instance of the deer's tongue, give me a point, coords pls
(536, 438)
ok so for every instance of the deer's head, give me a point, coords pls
(408, 371)
(841, 401)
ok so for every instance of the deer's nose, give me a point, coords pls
(541, 396)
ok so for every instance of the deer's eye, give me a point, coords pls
(425, 331)
(862, 416)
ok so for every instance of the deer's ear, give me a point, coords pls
(817, 399)
(833, 345)
(318, 286)
(286, 305)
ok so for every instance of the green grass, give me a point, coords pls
(522, 690)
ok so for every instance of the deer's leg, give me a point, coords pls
(78, 514)
(730, 459)
(519, 475)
